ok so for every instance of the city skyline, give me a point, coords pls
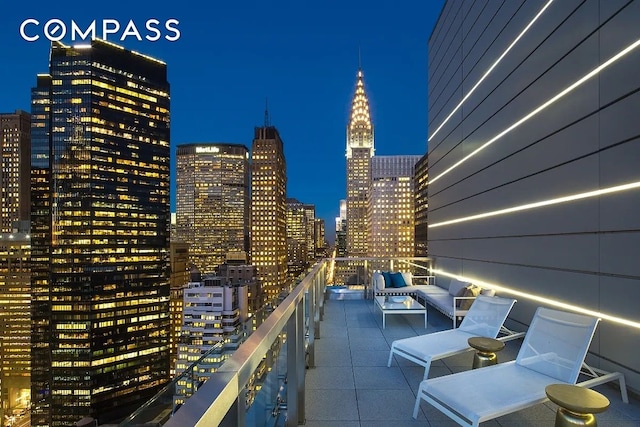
(302, 58)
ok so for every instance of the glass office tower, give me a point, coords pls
(212, 201)
(100, 233)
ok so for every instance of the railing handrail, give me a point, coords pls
(404, 258)
(227, 383)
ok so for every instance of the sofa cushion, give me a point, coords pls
(397, 281)
(387, 279)
(455, 286)
(443, 302)
(428, 290)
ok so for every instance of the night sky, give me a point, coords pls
(232, 55)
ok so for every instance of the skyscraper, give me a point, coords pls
(15, 326)
(212, 201)
(269, 210)
(360, 149)
(421, 189)
(391, 206)
(296, 237)
(15, 185)
(15, 296)
(310, 232)
(319, 237)
(100, 233)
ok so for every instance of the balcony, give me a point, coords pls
(320, 359)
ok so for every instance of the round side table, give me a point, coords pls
(486, 351)
(576, 405)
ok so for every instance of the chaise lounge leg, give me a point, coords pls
(416, 406)
(390, 355)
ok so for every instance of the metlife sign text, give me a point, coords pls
(56, 29)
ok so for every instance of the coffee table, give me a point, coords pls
(408, 305)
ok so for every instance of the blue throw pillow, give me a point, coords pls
(387, 279)
(397, 280)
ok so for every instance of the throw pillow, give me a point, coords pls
(408, 278)
(461, 293)
(387, 279)
(488, 292)
(397, 281)
(469, 291)
(378, 281)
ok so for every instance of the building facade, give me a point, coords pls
(341, 230)
(212, 201)
(99, 233)
(421, 189)
(360, 149)
(534, 141)
(240, 274)
(297, 256)
(180, 274)
(15, 171)
(211, 318)
(269, 210)
(391, 210)
(319, 237)
(15, 323)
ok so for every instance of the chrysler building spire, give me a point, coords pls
(359, 129)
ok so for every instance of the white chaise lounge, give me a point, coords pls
(485, 318)
(553, 351)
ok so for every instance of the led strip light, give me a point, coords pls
(558, 200)
(490, 69)
(547, 301)
(561, 94)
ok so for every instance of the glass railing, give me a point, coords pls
(259, 377)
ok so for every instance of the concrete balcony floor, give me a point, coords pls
(351, 385)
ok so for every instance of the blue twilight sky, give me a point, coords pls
(231, 55)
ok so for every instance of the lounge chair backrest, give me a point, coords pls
(486, 316)
(557, 343)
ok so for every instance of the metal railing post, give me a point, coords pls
(317, 317)
(313, 308)
(237, 413)
(295, 367)
(301, 364)
(321, 279)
